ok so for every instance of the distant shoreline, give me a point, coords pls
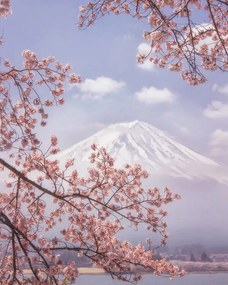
(189, 267)
(202, 267)
(91, 271)
(81, 270)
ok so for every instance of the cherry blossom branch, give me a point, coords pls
(175, 38)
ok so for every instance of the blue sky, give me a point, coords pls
(115, 88)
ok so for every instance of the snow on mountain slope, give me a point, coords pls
(157, 152)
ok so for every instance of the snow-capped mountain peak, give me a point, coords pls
(158, 152)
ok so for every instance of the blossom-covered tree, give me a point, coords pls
(187, 36)
(46, 208)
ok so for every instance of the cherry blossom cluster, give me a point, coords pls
(5, 8)
(20, 115)
(177, 38)
(92, 211)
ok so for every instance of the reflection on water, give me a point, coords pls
(191, 279)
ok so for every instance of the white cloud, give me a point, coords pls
(216, 110)
(147, 65)
(153, 95)
(145, 49)
(219, 138)
(99, 87)
(202, 28)
(219, 143)
(209, 39)
(221, 89)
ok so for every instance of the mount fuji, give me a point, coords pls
(158, 153)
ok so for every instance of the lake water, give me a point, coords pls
(188, 279)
